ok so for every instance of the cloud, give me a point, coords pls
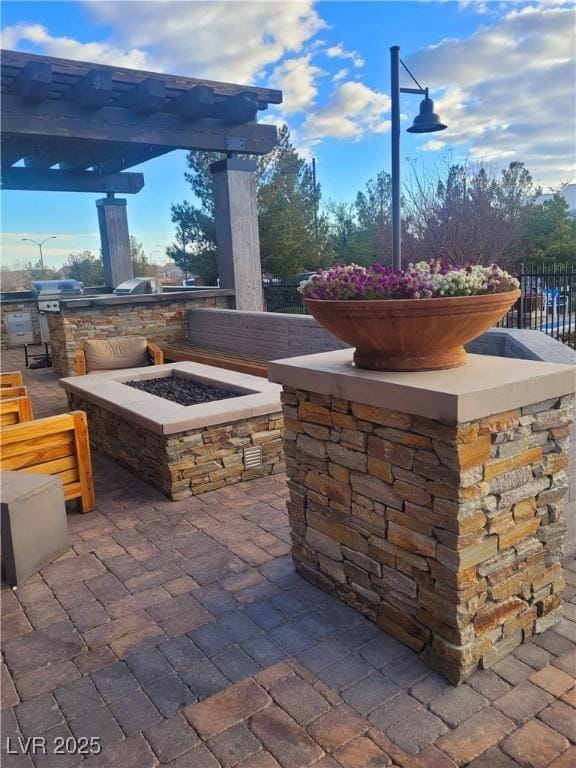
(340, 75)
(507, 91)
(67, 48)
(231, 41)
(354, 109)
(296, 78)
(339, 52)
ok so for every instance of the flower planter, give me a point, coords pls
(411, 334)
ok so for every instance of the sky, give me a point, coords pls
(502, 75)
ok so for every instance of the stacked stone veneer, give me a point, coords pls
(189, 462)
(162, 321)
(449, 537)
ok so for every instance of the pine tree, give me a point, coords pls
(293, 233)
(87, 268)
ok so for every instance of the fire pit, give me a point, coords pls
(184, 391)
(142, 418)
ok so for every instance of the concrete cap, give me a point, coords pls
(164, 417)
(483, 386)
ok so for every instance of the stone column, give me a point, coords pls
(432, 502)
(115, 240)
(237, 231)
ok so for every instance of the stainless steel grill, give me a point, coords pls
(49, 293)
(138, 285)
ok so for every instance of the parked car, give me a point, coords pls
(301, 276)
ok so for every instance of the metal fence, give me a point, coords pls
(547, 304)
(283, 297)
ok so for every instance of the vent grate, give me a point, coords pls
(252, 456)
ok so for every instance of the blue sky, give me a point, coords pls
(502, 73)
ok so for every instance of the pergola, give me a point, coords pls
(71, 126)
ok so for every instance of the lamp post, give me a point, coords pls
(426, 122)
(40, 244)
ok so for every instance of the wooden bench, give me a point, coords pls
(255, 366)
(15, 410)
(11, 379)
(57, 445)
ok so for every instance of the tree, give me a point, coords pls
(87, 268)
(294, 236)
(293, 233)
(37, 273)
(548, 233)
(194, 248)
(140, 263)
(361, 231)
(465, 213)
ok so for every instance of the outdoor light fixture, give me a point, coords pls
(426, 122)
(40, 244)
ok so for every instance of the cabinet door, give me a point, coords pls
(17, 338)
(19, 321)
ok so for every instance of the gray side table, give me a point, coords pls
(33, 523)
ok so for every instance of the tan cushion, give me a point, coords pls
(112, 354)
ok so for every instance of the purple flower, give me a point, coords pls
(423, 280)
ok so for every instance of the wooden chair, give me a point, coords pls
(11, 379)
(8, 393)
(57, 445)
(155, 357)
(14, 411)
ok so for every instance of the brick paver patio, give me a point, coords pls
(179, 634)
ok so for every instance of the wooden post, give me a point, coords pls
(115, 240)
(237, 231)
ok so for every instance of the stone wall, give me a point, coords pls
(190, 462)
(163, 321)
(449, 537)
(18, 306)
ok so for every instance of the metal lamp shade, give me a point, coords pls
(427, 121)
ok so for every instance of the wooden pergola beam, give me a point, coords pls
(145, 98)
(66, 69)
(130, 157)
(93, 90)
(55, 180)
(63, 119)
(34, 82)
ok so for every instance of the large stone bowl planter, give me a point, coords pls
(411, 334)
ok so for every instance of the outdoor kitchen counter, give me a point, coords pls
(144, 298)
(158, 317)
(433, 502)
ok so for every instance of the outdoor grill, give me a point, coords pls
(49, 293)
(138, 285)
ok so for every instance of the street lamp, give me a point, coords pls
(426, 122)
(40, 244)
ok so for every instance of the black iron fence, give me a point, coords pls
(283, 297)
(547, 304)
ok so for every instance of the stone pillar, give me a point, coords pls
(115, 240)
(237, 231)
(432, 502)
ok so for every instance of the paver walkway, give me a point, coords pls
(178, 634)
